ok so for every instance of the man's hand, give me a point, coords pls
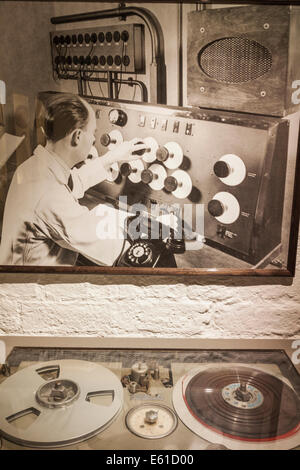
(126, 151)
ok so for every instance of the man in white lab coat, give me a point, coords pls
(43, 223)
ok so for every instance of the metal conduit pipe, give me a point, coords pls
(158, 92)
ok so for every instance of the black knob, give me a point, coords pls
(87, 38)
(88, 60)
(102, 60)
(118, 60)
(162, 154)
(126, 60)
(125, 36)
(105, 140)
(110, 60)
(170, 184)
(56, 40)
(81, 60)
(74, 38)
(68, 39)
(94, 38)
(215, 208)
(69, 60)
(108, 36)
(117, 36)
(75, 60)
(147, 176)
(80, 38)
(221, 169)
(140, 152)
(126, 169)
(95, 60)
(61, 40)
(101, 37)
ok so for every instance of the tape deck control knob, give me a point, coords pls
(215, 208)
(117, 117)
(106, 139)
(126, 169)
(162, 154)
(221, 169)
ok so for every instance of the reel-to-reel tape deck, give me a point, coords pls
(150, 399)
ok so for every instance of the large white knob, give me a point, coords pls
(224, 207)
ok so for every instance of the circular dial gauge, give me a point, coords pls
(151, 421)
(118, 117)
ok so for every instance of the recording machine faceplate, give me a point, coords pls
(150, 399)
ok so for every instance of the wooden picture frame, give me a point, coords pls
(259, 236)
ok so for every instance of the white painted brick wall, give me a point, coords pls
(145, 306)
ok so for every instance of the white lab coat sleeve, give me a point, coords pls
(92, 172)
(98, 235)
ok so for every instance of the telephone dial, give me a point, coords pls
(149, 252)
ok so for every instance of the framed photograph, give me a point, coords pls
(157, 139)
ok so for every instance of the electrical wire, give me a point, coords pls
(122, 59)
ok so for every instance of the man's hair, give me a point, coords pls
(64, 113)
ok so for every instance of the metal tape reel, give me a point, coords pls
(59, 420)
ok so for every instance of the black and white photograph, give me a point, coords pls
(149, 229)
(149, 137)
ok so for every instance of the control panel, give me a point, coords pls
(118, 48)
(225, 172)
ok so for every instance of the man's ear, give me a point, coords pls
(75, 137)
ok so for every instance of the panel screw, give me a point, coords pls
(263, 93)
(202, 89)
(202, 30)
(266, 26)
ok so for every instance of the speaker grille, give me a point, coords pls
(234, 60)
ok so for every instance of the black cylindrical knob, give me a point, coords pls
(106, 139)
(140, 152)
(126, 169)
(68, 39)
(162, 154)
(126, 60)
(108, 36)
(74, 38)
(125, 36)
(215, 208)
(88, 60)
(95, 60)
(80, 38)
(170, 184)
(117, 36)
(221, 169)
(94, 38)
(87, 38)
(110, 60)
(147, 176)
(101, 37)
(118, 60)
